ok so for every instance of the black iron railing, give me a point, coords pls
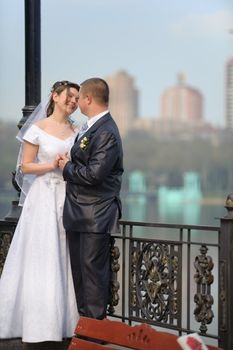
(7, 229)
(175, 277)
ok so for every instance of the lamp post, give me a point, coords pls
(32, 78)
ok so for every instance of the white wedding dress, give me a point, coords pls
(37, 300)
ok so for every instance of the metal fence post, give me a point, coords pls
(226, 278)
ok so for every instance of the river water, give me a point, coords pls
(148, 209)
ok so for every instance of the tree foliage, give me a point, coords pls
(8, 152)
(162, 160)
(165, 161)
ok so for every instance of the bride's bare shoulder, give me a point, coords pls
(42, 123)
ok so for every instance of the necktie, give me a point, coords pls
(82, 130)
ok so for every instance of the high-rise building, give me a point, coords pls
(182, 103)
(229, 94)
(123, 102)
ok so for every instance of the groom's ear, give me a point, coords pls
(89, 99)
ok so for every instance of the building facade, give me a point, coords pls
(123, 101)
(181, 104)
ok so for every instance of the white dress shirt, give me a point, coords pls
(94, 119)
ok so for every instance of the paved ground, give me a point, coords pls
(17, 345)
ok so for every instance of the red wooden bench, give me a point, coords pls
(142, 337)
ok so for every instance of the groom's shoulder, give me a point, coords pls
(110, 127)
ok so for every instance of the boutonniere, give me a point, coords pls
(84, 143)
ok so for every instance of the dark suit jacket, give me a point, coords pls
(93, 178)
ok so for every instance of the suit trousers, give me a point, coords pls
(90, 264)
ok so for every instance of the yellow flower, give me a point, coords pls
(84, 143)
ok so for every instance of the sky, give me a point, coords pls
(152, 40)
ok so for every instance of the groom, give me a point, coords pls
(92, 205)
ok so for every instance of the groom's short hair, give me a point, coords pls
(97, 88)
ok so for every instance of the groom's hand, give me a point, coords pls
(63, 160)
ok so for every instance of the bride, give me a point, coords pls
(37, 300)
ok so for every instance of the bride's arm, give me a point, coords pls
(29, 166)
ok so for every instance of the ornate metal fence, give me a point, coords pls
(7, 229)
(175, 277)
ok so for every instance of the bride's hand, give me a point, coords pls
(63, 160)
(56, 162)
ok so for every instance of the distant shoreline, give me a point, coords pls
(212, 201)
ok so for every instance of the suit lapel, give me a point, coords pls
(99, 122)
(95, 126)
(91, 130)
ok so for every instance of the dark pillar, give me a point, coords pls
(32, 76)
(32, 58)
(226, 279)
